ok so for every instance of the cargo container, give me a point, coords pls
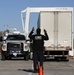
(58, 21)
(58, 24)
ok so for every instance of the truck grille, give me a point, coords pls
(15, 47)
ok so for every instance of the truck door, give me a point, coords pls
(47, 22)
(65, 28)
(58, 26)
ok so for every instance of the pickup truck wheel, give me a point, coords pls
(31, 55)
(3, 57)
(26, 57)
(9, 58)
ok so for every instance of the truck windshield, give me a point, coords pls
(15, 37)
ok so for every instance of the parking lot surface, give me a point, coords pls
(22, 67)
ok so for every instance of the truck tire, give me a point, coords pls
(31, 55)
(9, 57)
(3, 56)
(65, 59)
(26, 56)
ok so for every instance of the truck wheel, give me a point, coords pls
(65, 59)
(26, 57)
(31, 55)
(9, 58)
(6, 57)
(3, 57)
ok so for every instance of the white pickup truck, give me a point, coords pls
(15, 45)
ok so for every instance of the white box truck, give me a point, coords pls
(58, 21)
(58, 24)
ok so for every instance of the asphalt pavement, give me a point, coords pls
(22, 67)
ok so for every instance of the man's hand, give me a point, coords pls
(33, 29)
(45, 31)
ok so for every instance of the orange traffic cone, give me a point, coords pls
(40, 71)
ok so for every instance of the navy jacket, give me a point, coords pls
(38, 40)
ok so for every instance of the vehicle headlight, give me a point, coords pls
(4, 47)
(26, 46)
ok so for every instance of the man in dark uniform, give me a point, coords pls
(38, 46)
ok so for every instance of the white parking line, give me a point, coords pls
(31, 72)
(71, 65)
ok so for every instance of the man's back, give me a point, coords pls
(38, 40)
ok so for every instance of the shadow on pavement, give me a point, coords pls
(55, 60)
(26, 70)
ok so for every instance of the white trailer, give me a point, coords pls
(58, 24)
(58, 21)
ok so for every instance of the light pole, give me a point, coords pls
(6, 26)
